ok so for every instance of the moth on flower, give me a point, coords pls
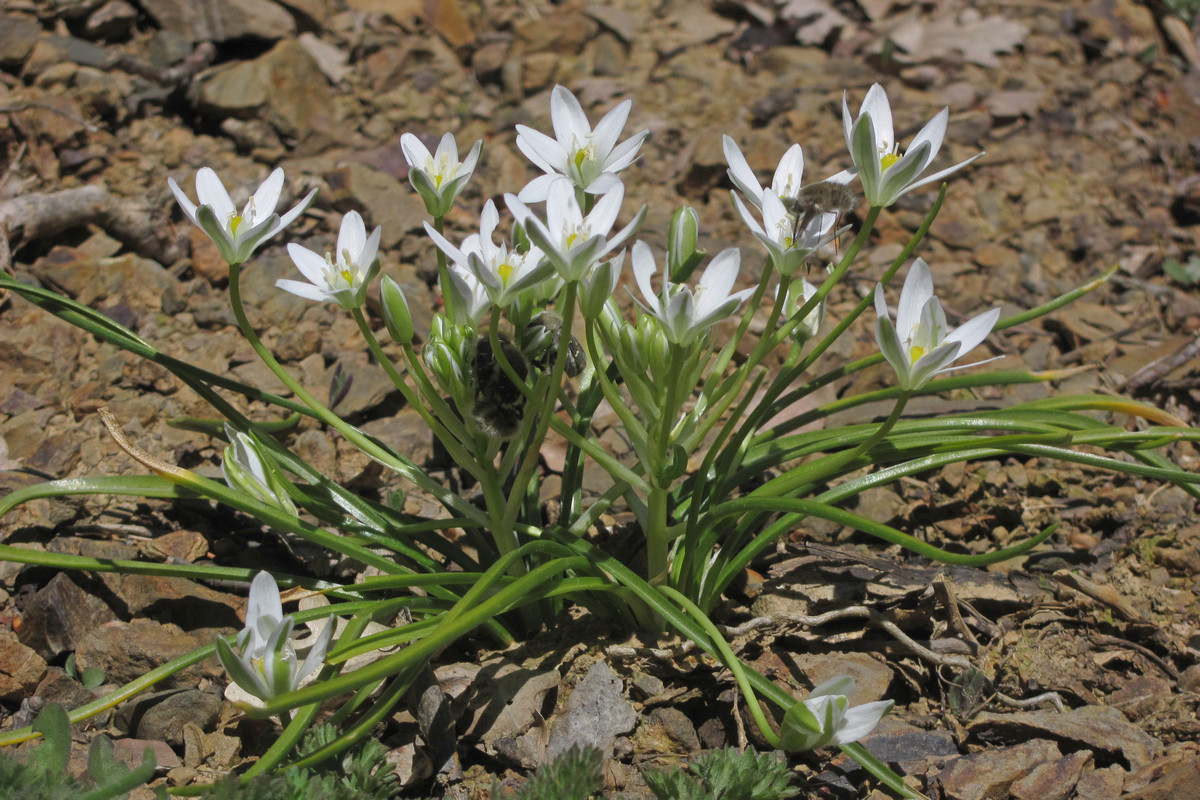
(236, 235)
(920, 345)
(589, 158)
(439, 177)
(341, 277)
(885, 172)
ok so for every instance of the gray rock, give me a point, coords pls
(60, 616)
(1102, 729)
(17, 37)
(161, 716)
(222, 20)
(595, 715)
(128, 650)
(285, 86)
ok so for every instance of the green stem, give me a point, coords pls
(403, 467)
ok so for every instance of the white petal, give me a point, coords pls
(972, 332)
(609, 128)
(352, 236)
(937, 176)
(860, 720)
(876, 104)
(789, 175)
(546, 153)
(567, 117)
(739, 171)
(718, 279)
(604, 213)
(933, 132)
(309, 263)
(447, 147)
(626, 153)
(267, 195)
(918, 288)
(211, 192)
(746, 216)
(838, 685)
(189, 208)
(444, 244)
(415, 152)
(296, 211)
(604, 182)
(538, 189)
(643, 270)
(308, 291)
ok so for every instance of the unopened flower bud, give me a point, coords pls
(395, 311)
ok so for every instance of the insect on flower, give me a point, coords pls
(499, 403)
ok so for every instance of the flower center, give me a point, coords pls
(583, 153)
(505, 272)
(888, 159)
(234, 221)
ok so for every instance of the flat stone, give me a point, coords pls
(382, 199)
(59, 687)
(128, 650)
(989, 774)
(1055, 780)
(21, 669)
(1102, 729)
(131, 752)
(59, 616)
(17, 38)
(161, 716)
(871, 676)
(284, 86)
(596, 713)
(222, 20)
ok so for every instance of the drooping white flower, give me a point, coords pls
(247, 468)
(502, 273)
(589, 158)
(785, 184)
(438, 177)
(236, 235)
(887, 174)
(574, 243)
(340, 277)
(920, 344)
(265, 663)
(823, 719)
(789, 240)
(685, 314)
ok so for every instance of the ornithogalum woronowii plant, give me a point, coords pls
(543, 326)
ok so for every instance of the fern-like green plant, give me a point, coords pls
(724, 775)
(361, 774)
(573, 775)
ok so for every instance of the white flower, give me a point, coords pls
(590, 158)
(887, 174)
(920, 345)
(340, 277)
(800, 292)
(788, 175)
(685, 314)
(247, 468)
(265, 662)
(236, 235)
(439, 178)
(823, 719)
(787, 246)
(573, 243)
(502, 273)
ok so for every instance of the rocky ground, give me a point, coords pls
(1090, 115)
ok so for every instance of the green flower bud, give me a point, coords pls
(682, 254)
(395, 311)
